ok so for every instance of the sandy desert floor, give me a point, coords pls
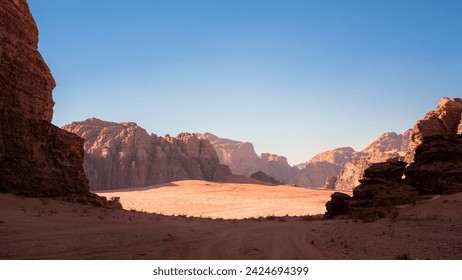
(32, 228)
(223, 200)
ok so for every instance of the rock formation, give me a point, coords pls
(388, 145)
(328, 164)
(337, 205)
(381, 189)
(243, 160)
(444, 120)
(36, 158)
(435, 156)
(330, 183)
(437, 166)
(239, 156)
(261, 176)
(124, 155)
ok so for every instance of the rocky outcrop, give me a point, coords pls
(36, 157)
(124, 155)
(388, 145)
(383, 185)
(261, 176)
(381, 189)
(337, 205)
(435, 156)
(444, 120)
(437, 166)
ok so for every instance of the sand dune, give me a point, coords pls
(223, 200)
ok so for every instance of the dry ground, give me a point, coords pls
(32, 228)
(223, 200)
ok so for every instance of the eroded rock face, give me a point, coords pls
(444, 120)
(345, 163)
(26, 82)
(437, 166)
(36, 157)
(328, 164)
(243, 160)
(330, 183)
(124, 155)
(381, 189)
(389, 145)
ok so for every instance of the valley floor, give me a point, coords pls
(32, 228)
(245, 199)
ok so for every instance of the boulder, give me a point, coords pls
(338, 205)
(261, 176)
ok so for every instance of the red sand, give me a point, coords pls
(33, 228)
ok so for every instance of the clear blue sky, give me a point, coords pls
(293, 77)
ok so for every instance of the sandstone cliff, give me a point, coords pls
(437, 166)
(36, 158)
(124, 155)
(444, 120)
(320, 171)
(328, 164)
(239, 156)
(388, 145)
(435, 156)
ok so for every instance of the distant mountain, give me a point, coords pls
(321, 171)
(388, 145)
(243, 160)
(124, 155)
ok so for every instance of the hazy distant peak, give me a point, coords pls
(97, 122)
(390, 142)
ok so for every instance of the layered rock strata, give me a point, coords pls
(444, 120)
(381, 189)
(36, 157)
(435, 156)
(437, 166)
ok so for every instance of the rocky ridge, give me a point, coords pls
(339, 168)
(436, 168)
(36, 157)
(124, 155)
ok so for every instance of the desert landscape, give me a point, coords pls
(33, 228)
(97, 189)
(223, 200)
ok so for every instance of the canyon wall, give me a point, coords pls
(124, 155)
(36, 157)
